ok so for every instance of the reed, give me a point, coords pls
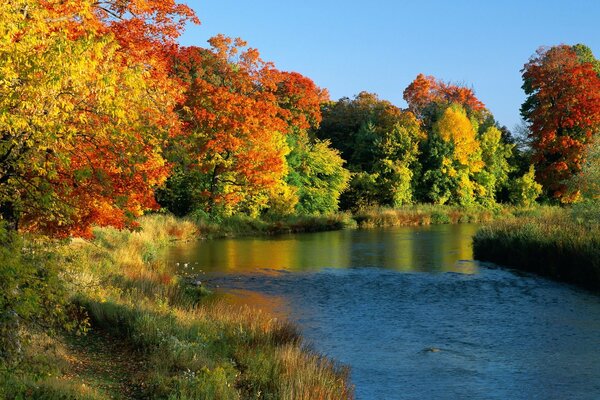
(547, 241)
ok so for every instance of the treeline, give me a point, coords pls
(112, 118)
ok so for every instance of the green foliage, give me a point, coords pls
(182, 193)
(437, 184)
(362, 192)
(585, 54)
(317, 173)
(33, 291)
(587, 183)
(525, 190)
(496, 155)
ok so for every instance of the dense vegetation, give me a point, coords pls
(112, 118)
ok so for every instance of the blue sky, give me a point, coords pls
(380, 46)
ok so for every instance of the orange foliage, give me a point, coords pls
(425, 90)
(100, 82)
(236, 112)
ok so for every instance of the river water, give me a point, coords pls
(412, 314)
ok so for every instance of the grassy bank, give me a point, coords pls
(427, 214)
(411, 215)
(246, 226)
(172, 344)
(547, 241)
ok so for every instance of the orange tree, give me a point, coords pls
(234, 148)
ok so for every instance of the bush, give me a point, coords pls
(33, 291)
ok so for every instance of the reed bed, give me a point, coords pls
(547, 241)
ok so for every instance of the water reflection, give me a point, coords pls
(424, 249)
(497, 335)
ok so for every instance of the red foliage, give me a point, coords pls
(563, 111)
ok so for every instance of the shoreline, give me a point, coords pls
(551, 245)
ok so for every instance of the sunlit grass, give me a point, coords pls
(426, 214)
(192, 348)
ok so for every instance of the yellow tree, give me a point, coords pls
(81, 119)
(454, 156)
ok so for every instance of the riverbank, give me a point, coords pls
(375, 217)
(174, 341)
(550, 242)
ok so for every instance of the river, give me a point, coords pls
(411, 312)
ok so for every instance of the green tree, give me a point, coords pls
(525, 190)
(495, 155)
(317, 173)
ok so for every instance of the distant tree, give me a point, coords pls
(426, 96)
(454, 157)
(496, 154)
(381, 143)
(562, 111)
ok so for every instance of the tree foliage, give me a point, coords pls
(81, 122)
(562, 111)
(317, 174)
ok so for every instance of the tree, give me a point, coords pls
(453, 158)
(525, 190)
(495, 156)
(381, 144)
(396, 154)
(234, 132)
(82, 121)
(317, 174)
(562, 111)
(426, 96)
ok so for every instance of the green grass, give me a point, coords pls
(547, 241)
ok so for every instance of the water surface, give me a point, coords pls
(413, 315)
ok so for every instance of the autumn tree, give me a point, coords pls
(81, 122)
(240, 116)
(426, 96)
(233, 128)
(452, 158)
(562, 111)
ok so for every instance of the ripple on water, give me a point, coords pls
(492, 335)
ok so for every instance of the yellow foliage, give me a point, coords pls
(454, 126)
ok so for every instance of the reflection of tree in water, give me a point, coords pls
(432, 248)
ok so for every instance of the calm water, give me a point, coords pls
(382, 300)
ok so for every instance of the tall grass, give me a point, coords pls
(547, 241)
(192, 348)
(426, 214)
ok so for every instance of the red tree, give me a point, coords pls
(563, 113)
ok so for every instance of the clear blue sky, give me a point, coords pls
(380, 46)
